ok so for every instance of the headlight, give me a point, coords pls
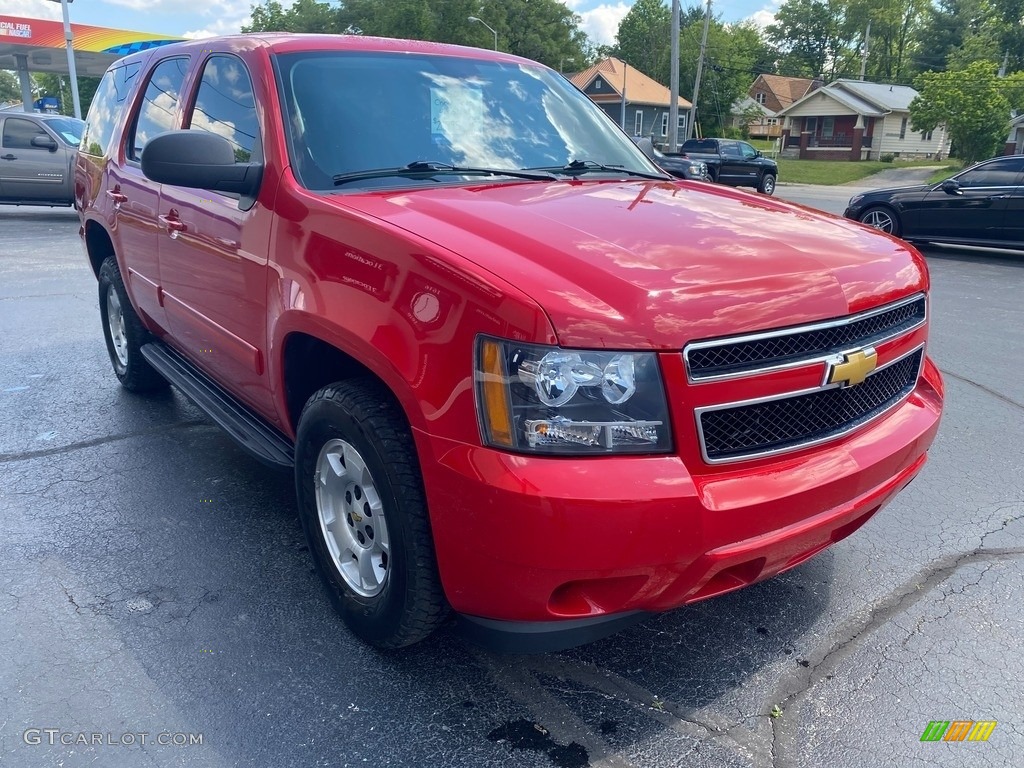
(543, 399)
(854, 200)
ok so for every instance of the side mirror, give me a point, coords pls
(647, 147)
(951, 187)
(757, 153)
(199, 160)
(42, 141)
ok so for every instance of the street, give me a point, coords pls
(155, 584)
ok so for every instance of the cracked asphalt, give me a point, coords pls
(154, 580)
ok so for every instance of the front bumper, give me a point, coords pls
(526, 539)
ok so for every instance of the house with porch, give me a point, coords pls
(767, 96)
(858, 120)
(625, 92)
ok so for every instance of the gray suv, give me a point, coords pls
(37, 158)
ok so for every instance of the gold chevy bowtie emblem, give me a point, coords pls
(851, 368)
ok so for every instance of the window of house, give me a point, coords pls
(771, 121)
(903, 128)
(927, 136)
(597, 84)
(638, 123)
(760, 98)
(681, 124)
(225, 105)
(664, 124)
(159, 104)
(828, 127)
(811, 125)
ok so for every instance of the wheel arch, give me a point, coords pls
(98, 245)
(307, 363)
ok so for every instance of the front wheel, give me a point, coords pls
(364, 512)
(882, 219)
(767, 184)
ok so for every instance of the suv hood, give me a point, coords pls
(657, 264)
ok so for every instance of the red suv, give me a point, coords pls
(518, 371)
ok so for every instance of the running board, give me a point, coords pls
(255, 436)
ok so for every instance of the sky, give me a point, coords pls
(188, 18)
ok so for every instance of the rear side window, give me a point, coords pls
(701, 145)
(106, 107)
(998, 173)
(159, 104)
(18, 134)
(225, 105)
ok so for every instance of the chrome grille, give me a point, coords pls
(712, 359)
(747, 430)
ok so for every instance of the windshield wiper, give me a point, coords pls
(579, 167)
(427, 168)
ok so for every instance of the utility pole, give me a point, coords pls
(622, 121)
(673, 104)
(1006, 61)
(700, 71)
(864, 51)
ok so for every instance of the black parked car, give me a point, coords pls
(734, 162)
(680, 166)
(983, 205)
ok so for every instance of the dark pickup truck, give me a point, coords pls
(733, 162)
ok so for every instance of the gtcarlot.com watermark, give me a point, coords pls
(55, 736)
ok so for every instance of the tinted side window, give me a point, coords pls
(225, 105)
(749, 153)
(998, 173)
(730, 150)
(106, 107)
(159, 104)
(18, 134)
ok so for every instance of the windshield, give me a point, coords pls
(68, 128)
(349, 112)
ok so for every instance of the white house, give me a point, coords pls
(857, 120)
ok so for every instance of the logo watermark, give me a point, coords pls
(958, 730)
(55, 736)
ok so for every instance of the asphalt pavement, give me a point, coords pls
(155, 587)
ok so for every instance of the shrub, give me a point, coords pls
(887, 158)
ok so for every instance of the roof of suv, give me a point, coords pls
(289, 42)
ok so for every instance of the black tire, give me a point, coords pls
(766, 185)
(712, 175)
(882, 218)
(363, 415)
(130, 367)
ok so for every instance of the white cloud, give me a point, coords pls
(230, 16)
(32, 9)
(766, 15)
(219, 27)
(602, 23)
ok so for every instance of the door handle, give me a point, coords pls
(116, 196)
(1000, 197)
(8, 156)
(173, 223)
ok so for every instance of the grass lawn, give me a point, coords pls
(833, 172)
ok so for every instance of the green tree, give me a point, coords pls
(50, 84)
(543, 30)
(735, 55)
(813, 38)
(10, 89)
(644, 39)
(973, 103)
